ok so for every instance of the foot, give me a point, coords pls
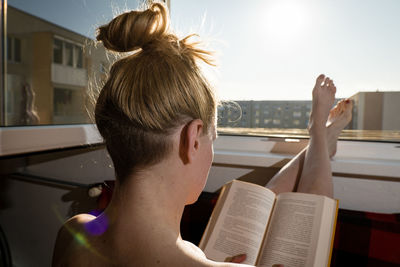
(323, 99)
(338, 118)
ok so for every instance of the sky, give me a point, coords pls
(270, 49)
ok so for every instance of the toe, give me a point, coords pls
(326, 81)
(320, 79)
(333, 88)
(341, 105)
(348, 105)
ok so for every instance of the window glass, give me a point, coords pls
(68, 54)
(17, 50)
(9, 46)
(58, 51)
(270, 52)
(52, 59)
(68, 104)
(78, 56)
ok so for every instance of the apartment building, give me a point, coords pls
(48, 71)
(371, 111)
(264, 114)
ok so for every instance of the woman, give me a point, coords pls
(156, 114)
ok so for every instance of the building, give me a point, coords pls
(376, 111)
(371, 111)
(48, 72)
(264, 114)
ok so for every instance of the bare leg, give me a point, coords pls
(288, 176)
(286, 180)
(316, 176)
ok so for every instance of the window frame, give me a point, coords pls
(74, 47)
(29, 139)
(3, 59)
(11, 50)
(360, 158)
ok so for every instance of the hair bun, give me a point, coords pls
(133, 30)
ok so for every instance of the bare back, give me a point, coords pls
(74, 247)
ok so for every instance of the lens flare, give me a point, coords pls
(97, 226)
(80, 237)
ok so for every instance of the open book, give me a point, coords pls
(293, 229)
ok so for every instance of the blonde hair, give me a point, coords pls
(152, 92)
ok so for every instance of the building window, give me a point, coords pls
(62, 101)
(57, 51)
(13, 49)
(296, 114)
(69, 57)
(69, 106)
(49, 76)
(66, 53)
(78, 54)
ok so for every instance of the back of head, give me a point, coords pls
(151, 92)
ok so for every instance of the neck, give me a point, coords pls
(152, 197)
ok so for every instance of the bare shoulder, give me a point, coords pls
(70, 240)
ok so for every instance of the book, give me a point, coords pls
(293, 229)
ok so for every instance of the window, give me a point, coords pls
(274, 49)
(67, 53)
(13, 49)
(270, 58)
(45, 82)
(69, 106)
(51, 61)
(276, 121)
(296, 114)
(58, 51)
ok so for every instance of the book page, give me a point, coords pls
(294, 232)
(327, 232)
(241, 225)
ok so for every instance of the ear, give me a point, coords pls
(190, 140)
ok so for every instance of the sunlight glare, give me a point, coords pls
(285, 20)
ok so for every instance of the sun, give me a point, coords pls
(285, 20)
